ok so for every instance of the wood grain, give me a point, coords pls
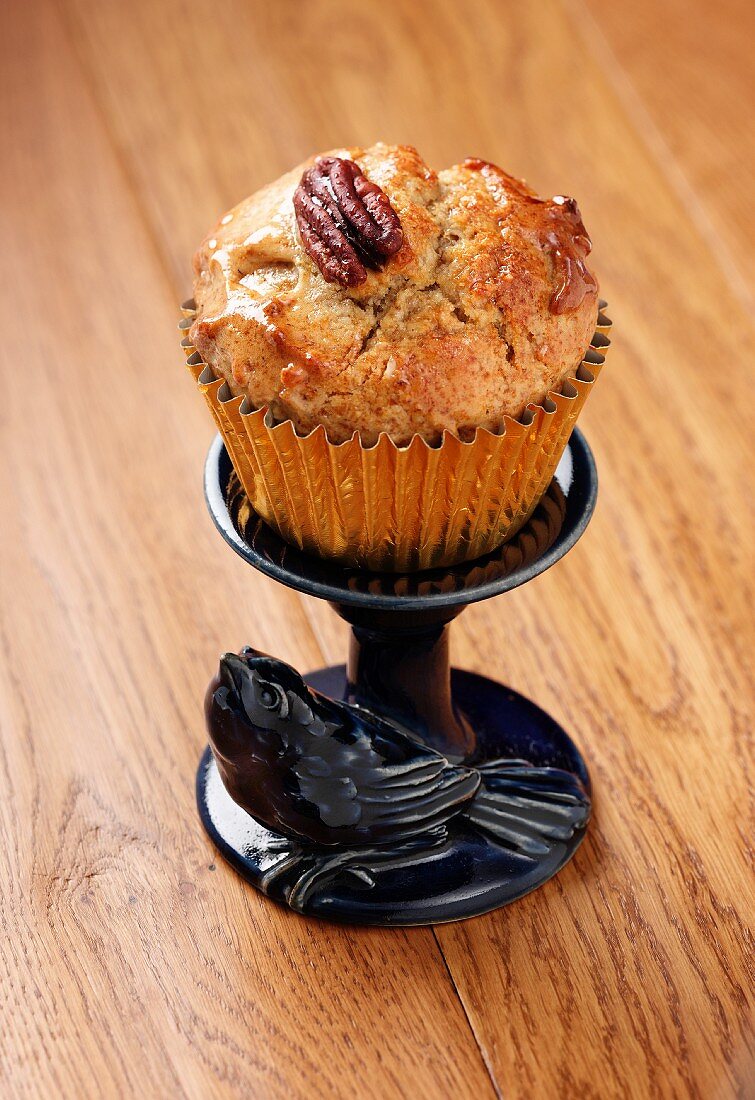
(628, 975)
(682, 71)
(133, 963)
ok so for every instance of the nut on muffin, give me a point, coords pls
(463, 298)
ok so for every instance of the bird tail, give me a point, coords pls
(529, 809)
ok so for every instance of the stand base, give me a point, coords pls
(466, 874)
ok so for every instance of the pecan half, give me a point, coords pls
(347, 223)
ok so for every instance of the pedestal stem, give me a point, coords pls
(400, 669)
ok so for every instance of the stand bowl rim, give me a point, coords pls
(581, 495)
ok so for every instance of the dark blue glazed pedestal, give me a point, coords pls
(399, 669)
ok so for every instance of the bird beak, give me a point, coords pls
(232, 671)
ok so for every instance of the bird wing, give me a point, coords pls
(417, 798)
(379, 779)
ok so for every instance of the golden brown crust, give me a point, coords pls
(457, 330)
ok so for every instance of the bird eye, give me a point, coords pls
(271, 697)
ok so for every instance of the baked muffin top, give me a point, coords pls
(474, 302)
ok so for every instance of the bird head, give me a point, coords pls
(264, 693)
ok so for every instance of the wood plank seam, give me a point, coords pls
(619, 938)
(643, 124)
(180, 294)
(480, 1045)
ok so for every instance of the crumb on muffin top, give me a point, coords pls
(485, 307)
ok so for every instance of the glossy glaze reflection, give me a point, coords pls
(348, 793)
(508, 796)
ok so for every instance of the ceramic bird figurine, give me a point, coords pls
(335, 777)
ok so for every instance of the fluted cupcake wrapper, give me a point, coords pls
(391, 508)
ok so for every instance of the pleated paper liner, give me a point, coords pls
(531, 542)
(397, 509)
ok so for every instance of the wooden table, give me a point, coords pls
(134, 962)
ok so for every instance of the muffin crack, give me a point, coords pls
(382, 307)
(463, 309)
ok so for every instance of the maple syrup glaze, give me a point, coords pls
(558, 226)
(482, 310)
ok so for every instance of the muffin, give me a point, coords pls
(394, 355)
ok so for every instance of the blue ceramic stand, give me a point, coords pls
(533, 803)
